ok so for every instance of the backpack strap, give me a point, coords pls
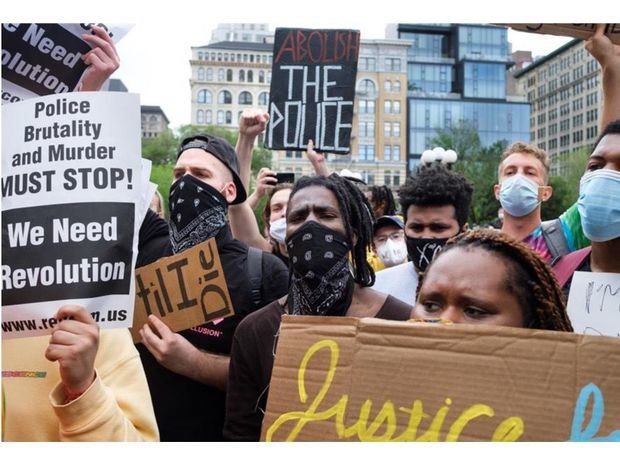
(255, 274)
(568, 264)
(554, 238)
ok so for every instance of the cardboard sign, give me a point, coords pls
(579, 31)
(339, 379)
(71, 193)
(184, 290)
(312, 89)
(594, 303)
(44, 59)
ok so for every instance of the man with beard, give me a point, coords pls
(436, 204)
(329, 229)
(187, 371)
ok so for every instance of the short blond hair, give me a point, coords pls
(528, 149)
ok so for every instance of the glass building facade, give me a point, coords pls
(458, 72)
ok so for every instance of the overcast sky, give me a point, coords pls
(155, 53)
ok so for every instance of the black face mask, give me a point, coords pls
(422, 251)
(321, 279)
(197, 212)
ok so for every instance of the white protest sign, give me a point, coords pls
(72, 191)
(44, 59)
(578, 30)
(594, 303)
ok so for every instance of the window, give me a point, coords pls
(387, 129)
(224, 97)
(220, 117)
(367, 152)
(263, 98)
(268, 77)
(200, 117)
(396, 129)
(208, 117)
(200, 56)
(366, 86)
(250, 76)
(229, 117)
(392, 64)
(209, 74)
(396, 107)
(387, 106)
(366, 129)
(396, 86)
(229, 75)
(387, 152)
(396, 156)
(396, 178)
(220, 74)
(577, 136)
(367, 64)
(261, 76)
(387, 86)
(387, 177)
(367, 106)
(245, 98)
(241, 75)
(205, 96)
(201, 74)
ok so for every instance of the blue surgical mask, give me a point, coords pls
(519, 195)
(599, 205)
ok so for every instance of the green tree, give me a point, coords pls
(560, 200)
(477, 163)
(161, 149)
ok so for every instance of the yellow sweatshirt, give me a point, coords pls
(116, 407)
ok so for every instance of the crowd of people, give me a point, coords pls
(330, 246)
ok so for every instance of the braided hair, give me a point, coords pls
(382, 197)
(357, 216)
(530, 279)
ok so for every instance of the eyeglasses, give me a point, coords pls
(395, 236)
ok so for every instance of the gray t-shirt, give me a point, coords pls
(401, 281)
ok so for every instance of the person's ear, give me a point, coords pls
(496, 189)
(545, 193)
(230, 192)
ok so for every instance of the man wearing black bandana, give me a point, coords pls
(187, 371)
(329, 229)
(436, 204)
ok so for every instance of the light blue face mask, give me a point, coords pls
(599, 205)
(519, 195)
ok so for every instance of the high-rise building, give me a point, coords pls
(565, 93)
(241, 32)
(458, 72)
(154, 121)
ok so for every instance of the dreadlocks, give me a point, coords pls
(357, 217)
(530, 279)
(382, 198)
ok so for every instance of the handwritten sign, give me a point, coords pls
(185, 290)
(594, 303)
(44, 59)
(312, 89)
(339, 379)
(579, 31)
(72, 185)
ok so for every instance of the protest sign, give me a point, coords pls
(184, 290)
(44, 59)
(339, 379)
(312, 89)
(579, 31)
(71, 190)
(594, 303)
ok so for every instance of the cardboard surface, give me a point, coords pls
(184, 290)
(579, 31)
(347, 379)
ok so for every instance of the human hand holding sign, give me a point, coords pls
(317, 160)
(103, 59)
(74, 345)
(601, 47)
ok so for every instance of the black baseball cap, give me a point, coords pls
(388, 220)
(223, 151)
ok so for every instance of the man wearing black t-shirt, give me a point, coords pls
(187, 371)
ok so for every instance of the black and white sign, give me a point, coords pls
(312, 89)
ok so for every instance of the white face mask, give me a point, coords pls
(392, 252)
(277, 230)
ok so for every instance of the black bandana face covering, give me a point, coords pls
(422, 251)
(321, 279)
(197, 212)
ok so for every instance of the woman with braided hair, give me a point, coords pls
(486, 277)
(328, 230)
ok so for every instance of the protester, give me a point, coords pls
(599, 207)
(382, 201)
(486, 277)
(436, 204)
(329, 229)
(389, 241)
(157, 205)
(187, 371)
(97, 391)
(523, 175)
